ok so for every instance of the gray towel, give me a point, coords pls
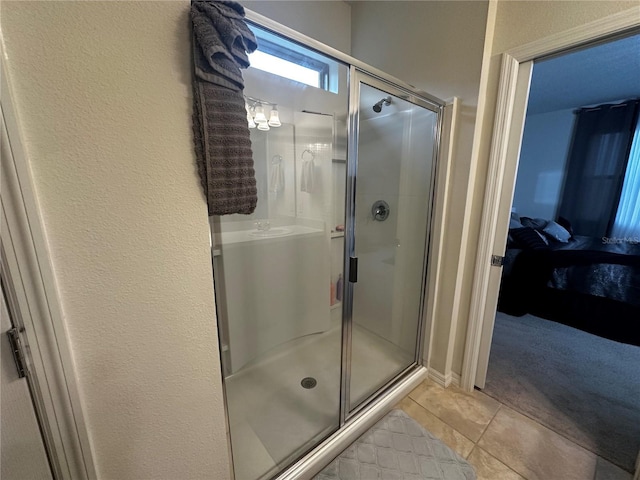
(221, 134)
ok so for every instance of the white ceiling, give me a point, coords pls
(599, 74)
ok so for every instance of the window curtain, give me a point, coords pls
(627, 223)
(596, 167)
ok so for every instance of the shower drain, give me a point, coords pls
(308, 382)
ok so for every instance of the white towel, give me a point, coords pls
(307, 176)
(276, 179)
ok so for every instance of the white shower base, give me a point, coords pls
(272, 416)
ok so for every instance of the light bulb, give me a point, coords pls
(250, 121)
(260, 117)
(264, 126)
(274, 118)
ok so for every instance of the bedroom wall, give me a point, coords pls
(545, 146)
(516, 24)
(102, 92)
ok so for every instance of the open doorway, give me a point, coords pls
(566, 341)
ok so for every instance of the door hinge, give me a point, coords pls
(16, 351)
(497, 260)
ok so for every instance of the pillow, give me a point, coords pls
(557, 232)
(513, 223)
(544, 239)
(529, 238)
(535, 223)
(566, 224)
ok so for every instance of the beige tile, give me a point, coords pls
(608, 471)
(454, 440)
(534, 451)
(468, 413)
(488, 467)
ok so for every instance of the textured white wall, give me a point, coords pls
(103, 96)
(328, 21)
(517, 23)
(102, 92)
(522, 22)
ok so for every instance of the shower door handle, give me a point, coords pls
(353, 269)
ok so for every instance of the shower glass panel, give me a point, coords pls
(395, 165)
(276, 269)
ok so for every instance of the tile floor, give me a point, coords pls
(499, 442)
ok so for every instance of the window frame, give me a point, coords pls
(322, 68)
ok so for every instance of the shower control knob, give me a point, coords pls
(380, 211)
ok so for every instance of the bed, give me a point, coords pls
(588, 283)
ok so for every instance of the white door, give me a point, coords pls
(22, 450)
(504, 209)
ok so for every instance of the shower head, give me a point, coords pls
(378, 106)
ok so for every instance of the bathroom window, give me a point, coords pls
(287, 59)
(281, 61)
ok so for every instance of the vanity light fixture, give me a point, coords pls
(256, 114)
(274, 117)
(260, 116)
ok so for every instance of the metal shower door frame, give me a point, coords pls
(353, 423)
(357, 77)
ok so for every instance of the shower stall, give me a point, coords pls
(321, 291)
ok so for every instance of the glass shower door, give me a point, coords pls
(391, 196)
(279, 328)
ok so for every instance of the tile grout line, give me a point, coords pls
(552, 431)
(489, 423)
(561, 434)
(498, 460)
(443, 421)
(500, 405)
(475, 444)
(472, 449)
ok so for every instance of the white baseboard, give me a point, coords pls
(451, 378)
(439, 378)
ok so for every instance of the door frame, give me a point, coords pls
(28, 271)
(358, 77)
(503, 157)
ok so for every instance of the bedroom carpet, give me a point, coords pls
(584, 387)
